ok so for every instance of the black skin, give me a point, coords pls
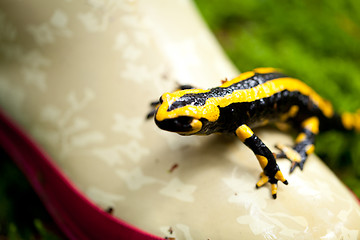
(252, 114)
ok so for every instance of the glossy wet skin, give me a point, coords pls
(179, 124)
(254, 98)
(175, 119)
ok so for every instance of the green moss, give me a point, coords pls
(21, 212)
(315, 41)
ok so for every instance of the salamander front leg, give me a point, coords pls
(271, 171)
(304, 144)
(185, 86)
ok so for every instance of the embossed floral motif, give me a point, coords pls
(101, 14)
(131, 150)
(179, 190)
(262, 221)
(143, 72)
(128, 125)
(110, 155)
(135, 179)
(178, 231)
(31, 63)
(102, 197)
(47, 32)
(134, 150)
(259, 219)
(65, 129)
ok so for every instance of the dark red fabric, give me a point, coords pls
(72, 211)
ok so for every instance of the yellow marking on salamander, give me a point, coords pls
(240, 78)
(244, 132)
(273, 189)
(289, 152)
(291, 113)
(196, 126)
(351, 121)
(280, 176)
(310, 149)
(264, 70)
(210, 110)
(348, 120)
(301, 137)
(263, 179)
(262, 160)
(311, 124)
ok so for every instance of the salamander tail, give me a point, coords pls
(351, 121)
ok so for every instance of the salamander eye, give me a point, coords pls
(183, 120)
(179, 124)
(160, 100)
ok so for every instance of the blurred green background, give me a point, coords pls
(315, 41)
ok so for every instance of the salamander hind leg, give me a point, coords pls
(271, 171)
(304, 144)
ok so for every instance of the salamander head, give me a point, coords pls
(184, 111)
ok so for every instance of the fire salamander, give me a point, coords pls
(255, 98)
